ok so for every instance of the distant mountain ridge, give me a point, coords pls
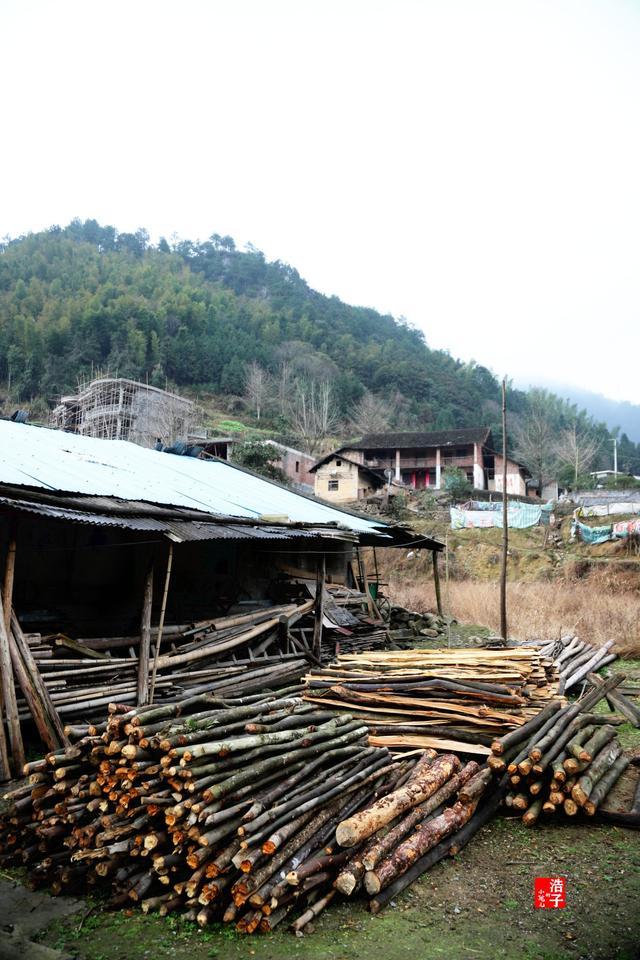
(615, 413)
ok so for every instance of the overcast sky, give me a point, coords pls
(473, 166)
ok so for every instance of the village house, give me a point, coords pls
(340, 478)
(295, 464)
(416, 460)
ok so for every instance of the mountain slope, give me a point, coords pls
(83, 298)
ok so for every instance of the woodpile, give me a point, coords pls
(446, 699)
(56, 679)
(397, 838)
(229, 809)
(53, 680)
(575, 658)
(564, 761)
(197, 806)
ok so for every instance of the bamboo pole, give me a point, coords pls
(145, 640)
(505, 531)
(163, 608)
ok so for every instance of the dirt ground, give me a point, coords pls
(477, 905)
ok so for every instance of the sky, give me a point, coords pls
(471, 166)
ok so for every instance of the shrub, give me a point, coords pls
(455, 483)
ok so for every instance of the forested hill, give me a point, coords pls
(83, 298)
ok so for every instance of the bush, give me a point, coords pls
(260, 458)
(455, 482)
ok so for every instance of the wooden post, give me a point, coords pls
(9, 696)
(7, 587)
(145, 640)
(505, 527)
(317, 623)
(436, 582)
(163, 608)
(7, 594)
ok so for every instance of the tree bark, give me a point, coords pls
(369, 821)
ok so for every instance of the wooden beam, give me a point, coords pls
(7, 586)
(436, 582)
(319, 607)
(7, 592)
(145, 640)
(9, 697)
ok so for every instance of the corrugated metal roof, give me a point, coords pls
(52, 460)
(180, 530)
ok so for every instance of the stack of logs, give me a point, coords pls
(459, 699)
(227, 810)
(575, 658)
(401, 836)
(565, 760)
(52, 680)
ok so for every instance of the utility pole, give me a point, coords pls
(614, 441)
(505, 532)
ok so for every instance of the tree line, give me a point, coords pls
(208, 316)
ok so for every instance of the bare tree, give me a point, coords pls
(312, 412)
(577, 449)
(535, 445)
(283, 386)
(257, 388)
(369, 415)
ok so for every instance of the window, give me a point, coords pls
(297, 466)
(462, 452)
(338, 463)
(333, 485)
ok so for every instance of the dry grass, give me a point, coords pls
(598, 608)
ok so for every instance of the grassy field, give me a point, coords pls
(599, 604)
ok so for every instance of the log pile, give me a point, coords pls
(399, 837)
(457, 699)
(53, 680)
(564, 761)
(245, 810)
(575, 658)
(202, 806)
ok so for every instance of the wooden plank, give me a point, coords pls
(37, 682)
(9, 697)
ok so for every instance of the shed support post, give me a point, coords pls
(163, 609)
(436, 582)
(9, 575)
(145, 640)
(317, 623)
